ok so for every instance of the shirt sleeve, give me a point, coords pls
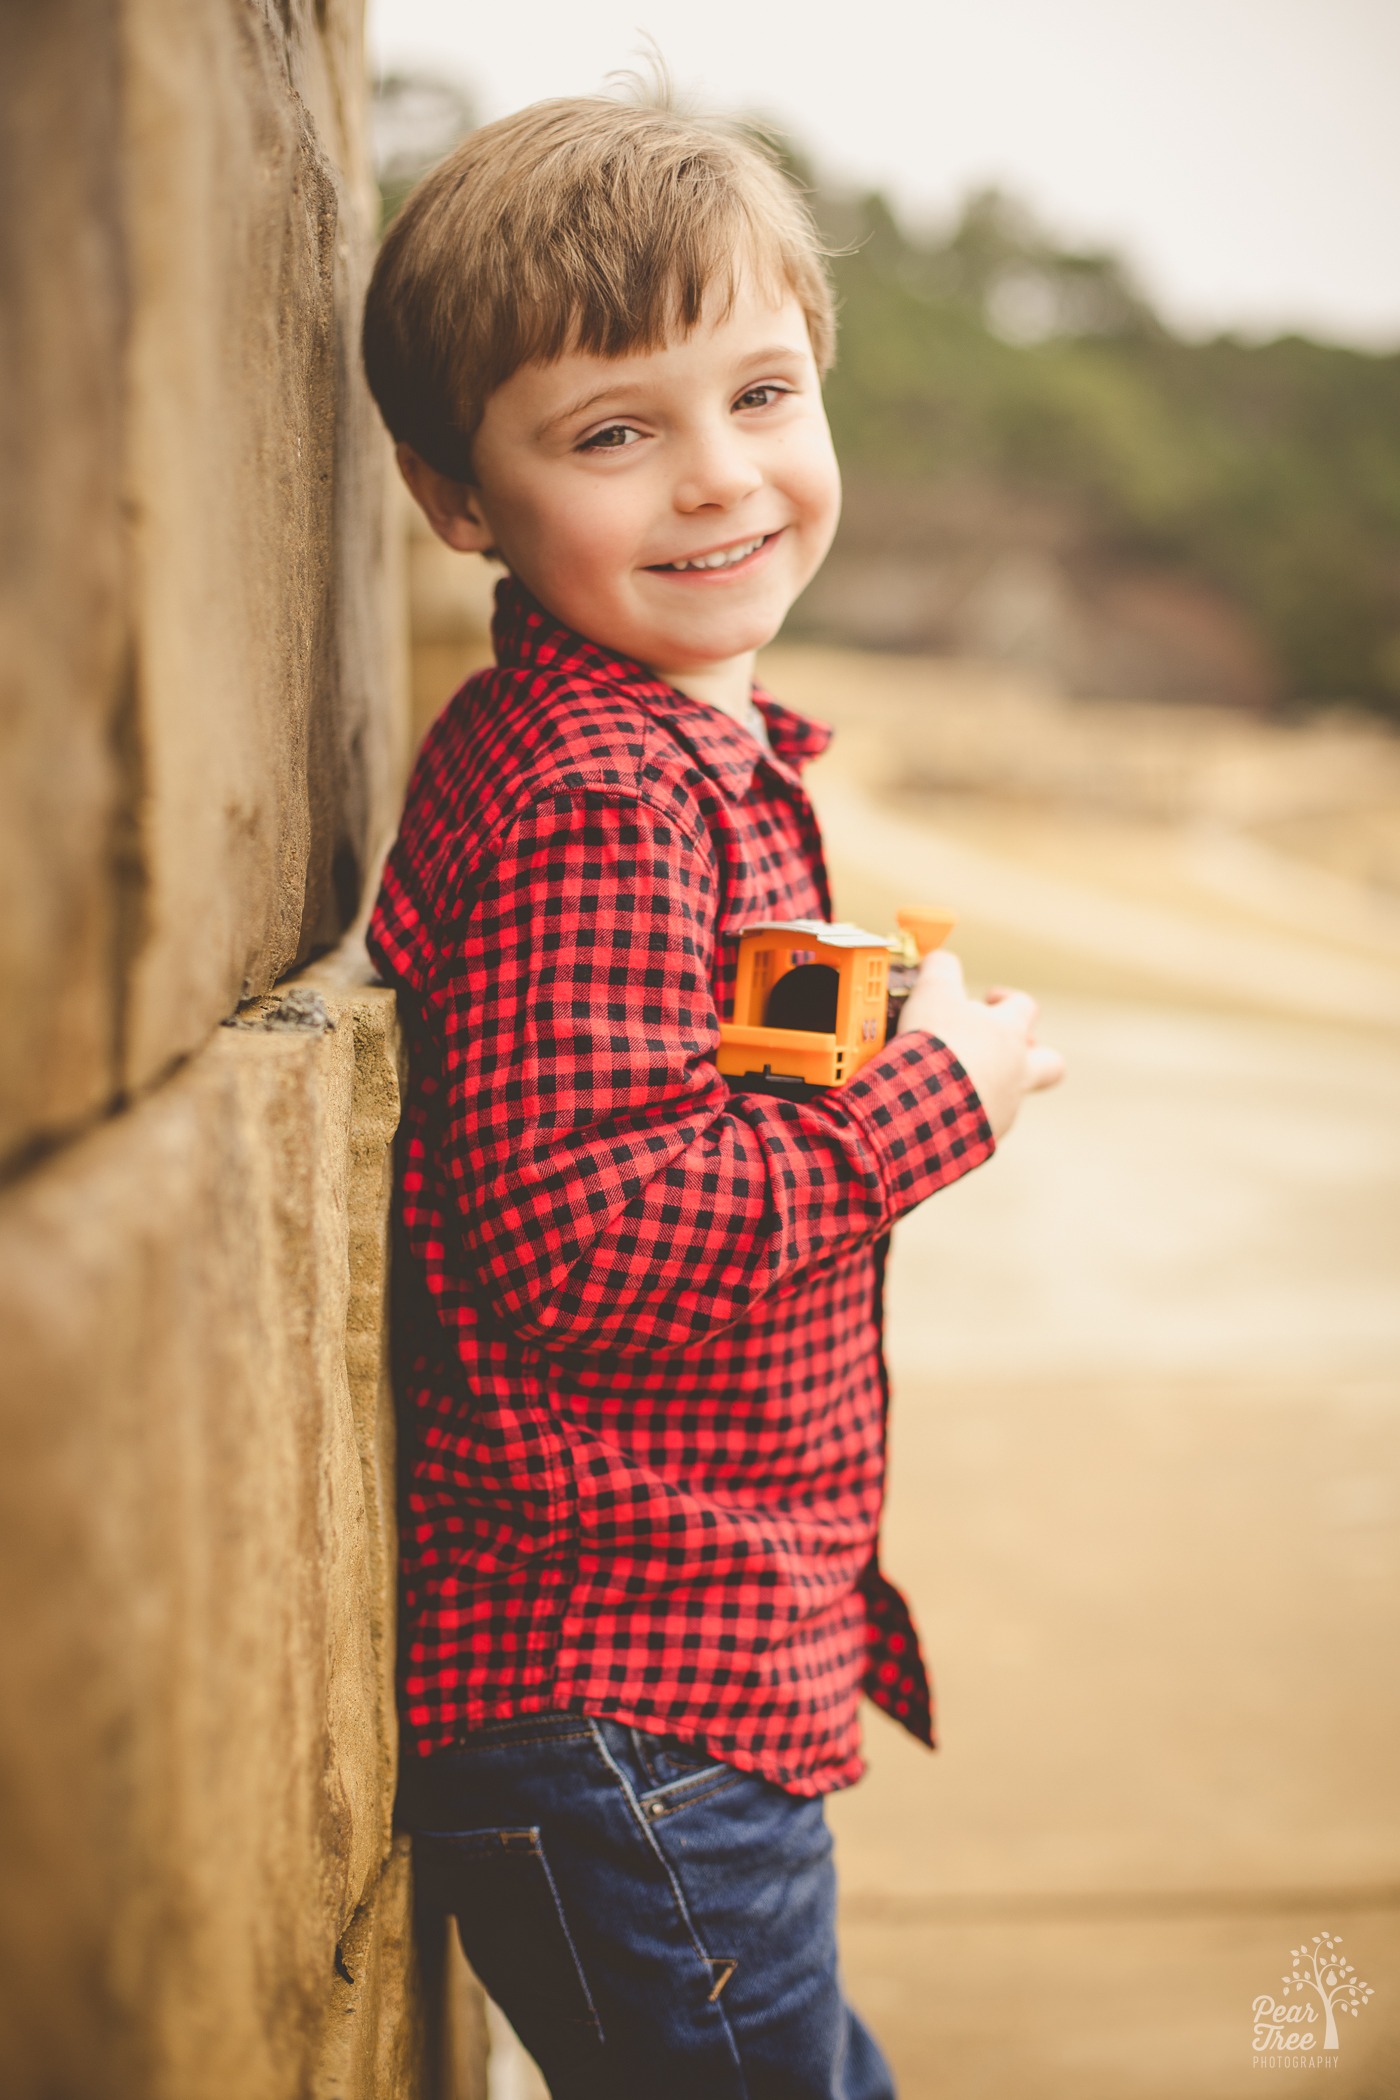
(612, 1192)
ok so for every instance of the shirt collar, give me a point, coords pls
(524, 633)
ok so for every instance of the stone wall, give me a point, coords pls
(201, 745)
(204, 723)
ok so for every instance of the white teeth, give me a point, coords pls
(724, 560)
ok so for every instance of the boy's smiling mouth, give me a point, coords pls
(718, 560)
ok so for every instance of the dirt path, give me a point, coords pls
(1219, 955)
(1145, 1492)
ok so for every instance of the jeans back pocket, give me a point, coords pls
(498, 1885)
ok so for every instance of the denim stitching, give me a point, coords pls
(656, 1806)
(650, 1835)
(653, 1749)
(654, 1793)
(569, 1939)
(537, 1851)
(644, 1744)
(496, 1742)
(488, 1830)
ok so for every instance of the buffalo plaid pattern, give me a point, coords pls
(642, 1346)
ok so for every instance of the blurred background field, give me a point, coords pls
(1111, 640)
(1145, 1473)
(1040, 470)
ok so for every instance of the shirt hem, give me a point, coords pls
(806, 1783)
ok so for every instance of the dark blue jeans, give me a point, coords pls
(654, 1925)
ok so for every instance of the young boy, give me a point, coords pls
(645, 1390)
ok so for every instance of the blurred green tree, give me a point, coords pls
(1269, 470)
(415, 118)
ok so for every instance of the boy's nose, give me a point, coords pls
(718, 472)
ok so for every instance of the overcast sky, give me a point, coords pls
(1245, 154)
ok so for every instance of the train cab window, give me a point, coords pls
(804, 998)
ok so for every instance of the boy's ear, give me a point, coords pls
(452, 508)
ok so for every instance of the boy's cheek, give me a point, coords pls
(814, 476)
(584, 531)
(821, 509)
(541, 544)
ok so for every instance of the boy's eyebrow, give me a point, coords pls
(587, 401)
(576, 408)
(760, 357)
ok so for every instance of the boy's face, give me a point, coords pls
(600, 480)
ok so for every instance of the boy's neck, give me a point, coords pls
(727, 686)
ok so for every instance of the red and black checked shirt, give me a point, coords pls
(645, 1385)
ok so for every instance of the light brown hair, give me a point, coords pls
(587, 225)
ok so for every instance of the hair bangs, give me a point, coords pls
(581, 225)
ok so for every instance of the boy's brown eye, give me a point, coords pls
(610, 440)
(759, 396)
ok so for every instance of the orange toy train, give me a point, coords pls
(813, 1003)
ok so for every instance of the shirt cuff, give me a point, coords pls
(921, 1115)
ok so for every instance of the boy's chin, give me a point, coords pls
(717, 641)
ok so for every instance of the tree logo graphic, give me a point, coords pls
(1325, 1969)
(1324, 1982)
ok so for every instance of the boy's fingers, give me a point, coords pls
(1044, 1067)
(942, 967)
(1017, 1010)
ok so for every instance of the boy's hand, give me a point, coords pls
(993, 1039)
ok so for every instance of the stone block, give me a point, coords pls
(196, 1752)
(368, 1010)
(202, 711)
(67, 791)
(257, 475)
(379, 2040)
